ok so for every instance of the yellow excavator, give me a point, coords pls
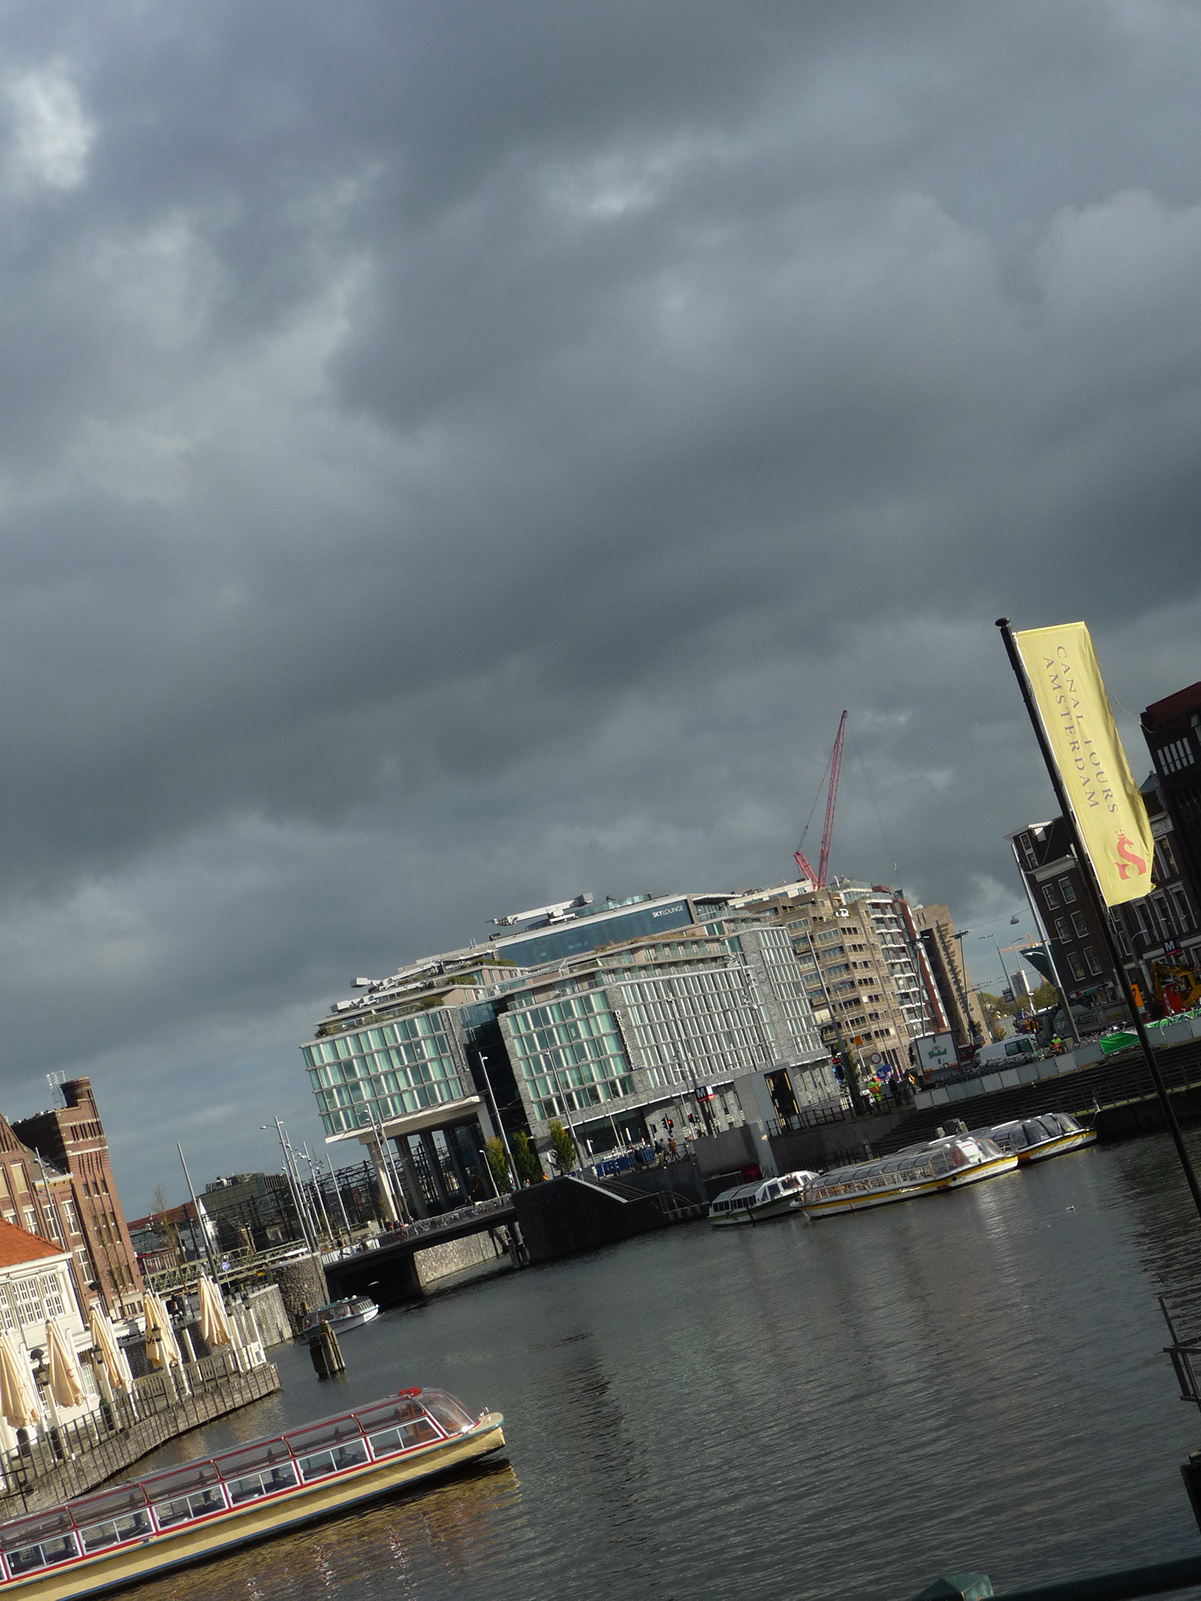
(1177, 988)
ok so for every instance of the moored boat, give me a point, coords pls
(342, 1315)
(943, 1164)
(753, 1203)
(1034, 1139)
(117, 1536)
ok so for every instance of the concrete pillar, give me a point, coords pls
(412, 1183)
(435, 1165)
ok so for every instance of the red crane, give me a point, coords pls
(803, 867)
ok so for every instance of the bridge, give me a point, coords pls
(385, 1269)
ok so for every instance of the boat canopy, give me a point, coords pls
(1023, 1133)
(928, 1161)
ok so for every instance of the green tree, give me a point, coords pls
(529, 1168)
(498, 1161)
(562, 1147)
(1045, 995)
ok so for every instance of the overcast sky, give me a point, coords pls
(454, 455)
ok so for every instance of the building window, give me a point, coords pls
(1079, 925)
(1174, 758)
(1167, 859)
(1077, 966)
(1049, 895)
(1062, 932)
(1183, 910)
(1068, 890)
(1090, 957)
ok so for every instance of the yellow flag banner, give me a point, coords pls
(1108, 809)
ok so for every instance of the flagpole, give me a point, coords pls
(1090, 880)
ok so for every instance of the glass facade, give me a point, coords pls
(387, 1071)
(700, 1026)
(568, 1054)
(585, 934)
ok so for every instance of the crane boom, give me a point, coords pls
(831, 800)
(834, 768)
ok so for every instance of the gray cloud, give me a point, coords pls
(453, 456)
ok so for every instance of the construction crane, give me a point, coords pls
(803, 867)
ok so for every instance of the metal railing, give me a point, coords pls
(151, 1394)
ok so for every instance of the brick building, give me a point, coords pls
(1172, 729)
(71, 1139)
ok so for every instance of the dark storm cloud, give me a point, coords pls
(456, 455)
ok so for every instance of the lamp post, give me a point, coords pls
(293, 1184)
(338, 1193)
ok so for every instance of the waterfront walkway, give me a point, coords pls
(76, 1458)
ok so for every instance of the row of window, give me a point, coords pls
(405, 1029)
(1065, 893)
(30, 1301)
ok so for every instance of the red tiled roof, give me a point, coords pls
(16, 1246)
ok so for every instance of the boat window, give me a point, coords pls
(940, 1162)
(191, 1492)
(455, 1419)
(282, 1476)
(38, 1542)
(318, 1464)
(110, 1518)
(324, 1436)
(182, 1507)
(396, 1427)
(262, 1454)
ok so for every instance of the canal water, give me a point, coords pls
(843, 1409)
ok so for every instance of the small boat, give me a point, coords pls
(944, 1164)
(180, 1515)
(341, 1315)
(752, 1203)
(1034, 1139)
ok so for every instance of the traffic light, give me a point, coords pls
(670, 1124)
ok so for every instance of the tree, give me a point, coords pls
(498, 1161)
(562, 1147)
(994, 1008)
(1045, 995)
(529, 1168)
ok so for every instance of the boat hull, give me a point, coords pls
(227, 1530)
(756, 1214)
(861, 1198)
(1058, 1147)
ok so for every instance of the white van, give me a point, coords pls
(1008, 1053)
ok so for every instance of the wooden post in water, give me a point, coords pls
(326, 1352)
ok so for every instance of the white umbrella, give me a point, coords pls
(18, 1397)
(214, 1320)
(66, 1379)
(162, 1350)
(116, 1363)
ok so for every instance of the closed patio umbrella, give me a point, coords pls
(18, 1397)
(214, 1320)
(162, 1350)
(66, 1379)
(116, 1363)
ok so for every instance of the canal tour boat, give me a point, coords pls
(1034, 1139)
(943, 1164)
(752, 1203)
(342, 1315)
(180, 1515)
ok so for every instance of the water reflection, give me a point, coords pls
(802, 1411)
(455, 1527)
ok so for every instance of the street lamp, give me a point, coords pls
(293, 1183)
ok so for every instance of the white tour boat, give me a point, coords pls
(342, 1315)
(1034, 1139)
(119, 1535)
(944, 1164)
(752, 1203)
